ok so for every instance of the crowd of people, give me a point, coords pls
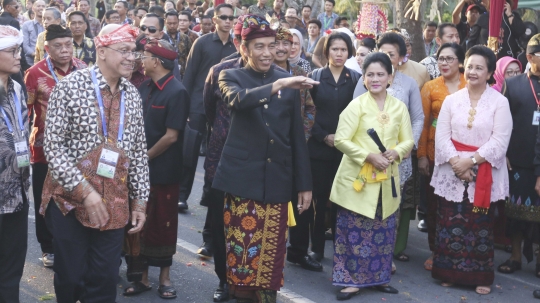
(310, 132)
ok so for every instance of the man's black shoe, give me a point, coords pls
(306, 262)
(204, 251)
(422, 226)
(328, 234)
(222, 293)
(536, 294)
(316, 256)
(182, 206)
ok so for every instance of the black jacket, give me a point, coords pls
(7, 19)
(330, 99)
(266, 147)
(521, 149)
(509, 46)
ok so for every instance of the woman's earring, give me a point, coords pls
(400, 62)
(365, 86)
(388, 85)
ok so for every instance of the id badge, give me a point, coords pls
(23, 157)
(536, 118)
(107, 163)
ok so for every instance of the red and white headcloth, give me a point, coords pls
(125, 33)
(10, 36)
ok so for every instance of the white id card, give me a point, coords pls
(536, 118)
(23, 158)
(107, 163)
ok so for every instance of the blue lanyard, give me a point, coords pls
(102, 111)
(51, 69)
(19, 114)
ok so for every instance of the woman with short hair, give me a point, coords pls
(450, 58)
(470, 176)
(366, 186)
(405, 89)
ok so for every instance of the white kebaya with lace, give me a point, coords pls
(491, 130)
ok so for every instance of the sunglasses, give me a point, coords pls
(225, 17)
(151, 29)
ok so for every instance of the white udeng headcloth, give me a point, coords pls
(10, 36)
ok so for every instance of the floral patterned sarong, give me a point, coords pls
(256, 237)
(363, 249)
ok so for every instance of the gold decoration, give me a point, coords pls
(472, 113)
(493, 44)
(383, 118)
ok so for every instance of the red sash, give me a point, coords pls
(484, 180)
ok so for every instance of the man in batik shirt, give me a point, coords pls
(95, 25)
(83, 46)
(256, 169)
(40, 80)
(98, 169)
(15, 170)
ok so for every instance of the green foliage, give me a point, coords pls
(346, 7)
(447, 17)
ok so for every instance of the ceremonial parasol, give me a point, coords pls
(496, 11)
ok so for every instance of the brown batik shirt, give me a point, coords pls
(74, 132)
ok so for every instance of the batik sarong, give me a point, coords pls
(463, 244)
(363, 249)
(256, 237)
(522, 208)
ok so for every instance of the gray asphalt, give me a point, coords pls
(195, 281)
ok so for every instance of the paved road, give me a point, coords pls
(195, 280)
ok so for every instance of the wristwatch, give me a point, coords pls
(473, 160)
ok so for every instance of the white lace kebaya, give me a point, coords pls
(491, 130)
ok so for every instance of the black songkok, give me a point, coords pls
(56, 31)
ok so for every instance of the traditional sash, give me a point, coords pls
(484, 180)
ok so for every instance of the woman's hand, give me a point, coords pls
(462, 165)
(329, 140)
(468, 176)
(507, 9)
(423, 166)
(379, 161)
(391, 155)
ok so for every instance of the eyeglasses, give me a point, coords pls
(511, 73)
(447, 59)
(126, 54)
(537, 54)
(16, 51)
(151, 29)
(225, 17)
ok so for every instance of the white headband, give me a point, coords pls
(10, 36)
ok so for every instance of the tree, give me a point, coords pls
(413, 27)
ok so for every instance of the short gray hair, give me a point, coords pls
(56, 13)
